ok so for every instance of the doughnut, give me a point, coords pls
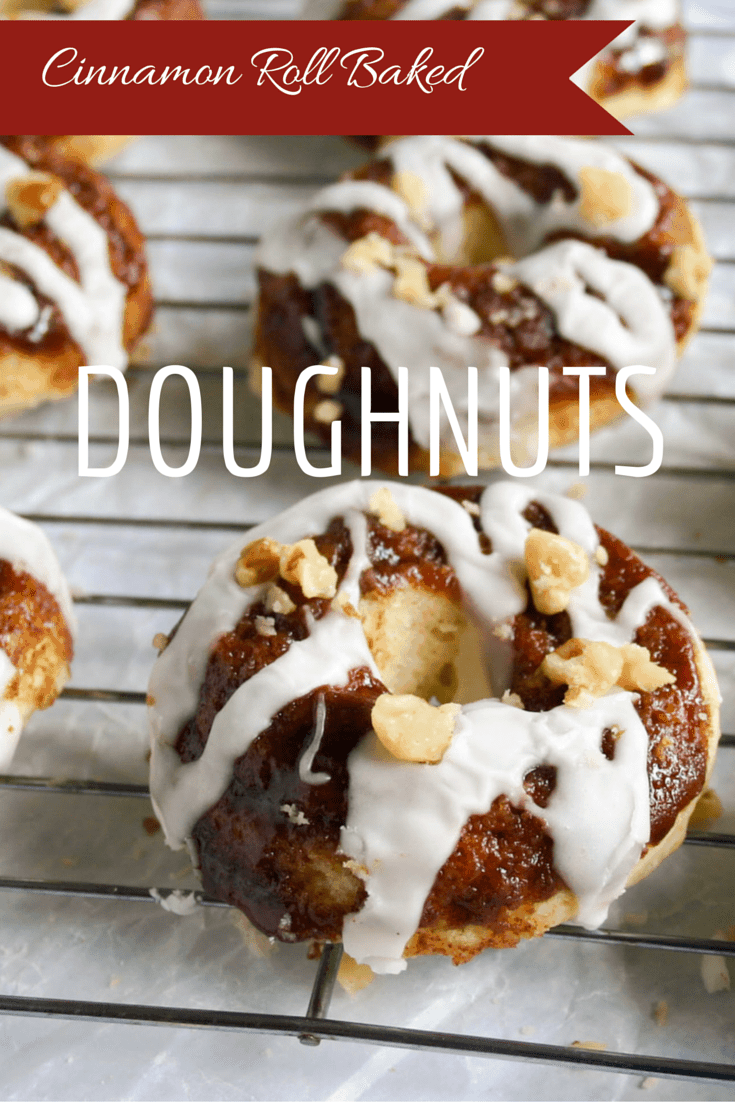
(429, 722)
(36, 628)
(74, 286)
(101, 9)
(643, 69)
(494, 252)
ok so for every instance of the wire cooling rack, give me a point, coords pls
(145, 542)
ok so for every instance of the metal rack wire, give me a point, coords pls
(314, 1025)
(56, 431)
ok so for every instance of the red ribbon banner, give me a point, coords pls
(397, 77)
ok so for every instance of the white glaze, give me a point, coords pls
(629, 325)
(404, 819)
(93, 308)
(27, 549)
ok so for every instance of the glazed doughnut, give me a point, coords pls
(366, 729)
(642, 70)
(73, 275)
(409, 262)
(36, 626)
(101, 9)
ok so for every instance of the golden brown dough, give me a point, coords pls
(73, 311)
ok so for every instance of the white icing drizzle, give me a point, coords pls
(94, 308)
(27, 549)
(629, 325)
(306, 762)
(404, 819)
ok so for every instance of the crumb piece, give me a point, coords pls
(385, 509)
(331, 384)
(504, 630)
(114, 981)
(577, 491)
(715, 975)
(151, 825)
(660, 751)
(661, 1012)
(636, 918)
(258, 562)
(639, 673)
(353, 977)
(594, 1046)
(160, 641)
(513, 699)
(589, 669)
(277, 600)
(472, 508)
(555, 567)
(707, 810)
(457, 315)
(303, 565)
(258, 944)
(412, 284)
(605, 196)
(411, 729)
(327, 411)
(69, 862)
(357, 869)
(342, 603)
(265, 625)
(503, 283)
(527, 1030)
(371, 251)
(295, 814)
(688, 271)
(30, 196)
(601, 556)
(649, 1083)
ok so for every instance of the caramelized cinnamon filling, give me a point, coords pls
(31, 621)
(96, 197)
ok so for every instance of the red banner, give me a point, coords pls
(397, 77)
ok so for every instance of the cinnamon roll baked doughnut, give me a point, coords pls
(36, 626)
(429, 722)
(74, 286)
(491, 252)
(643, 69)
(179, 10)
